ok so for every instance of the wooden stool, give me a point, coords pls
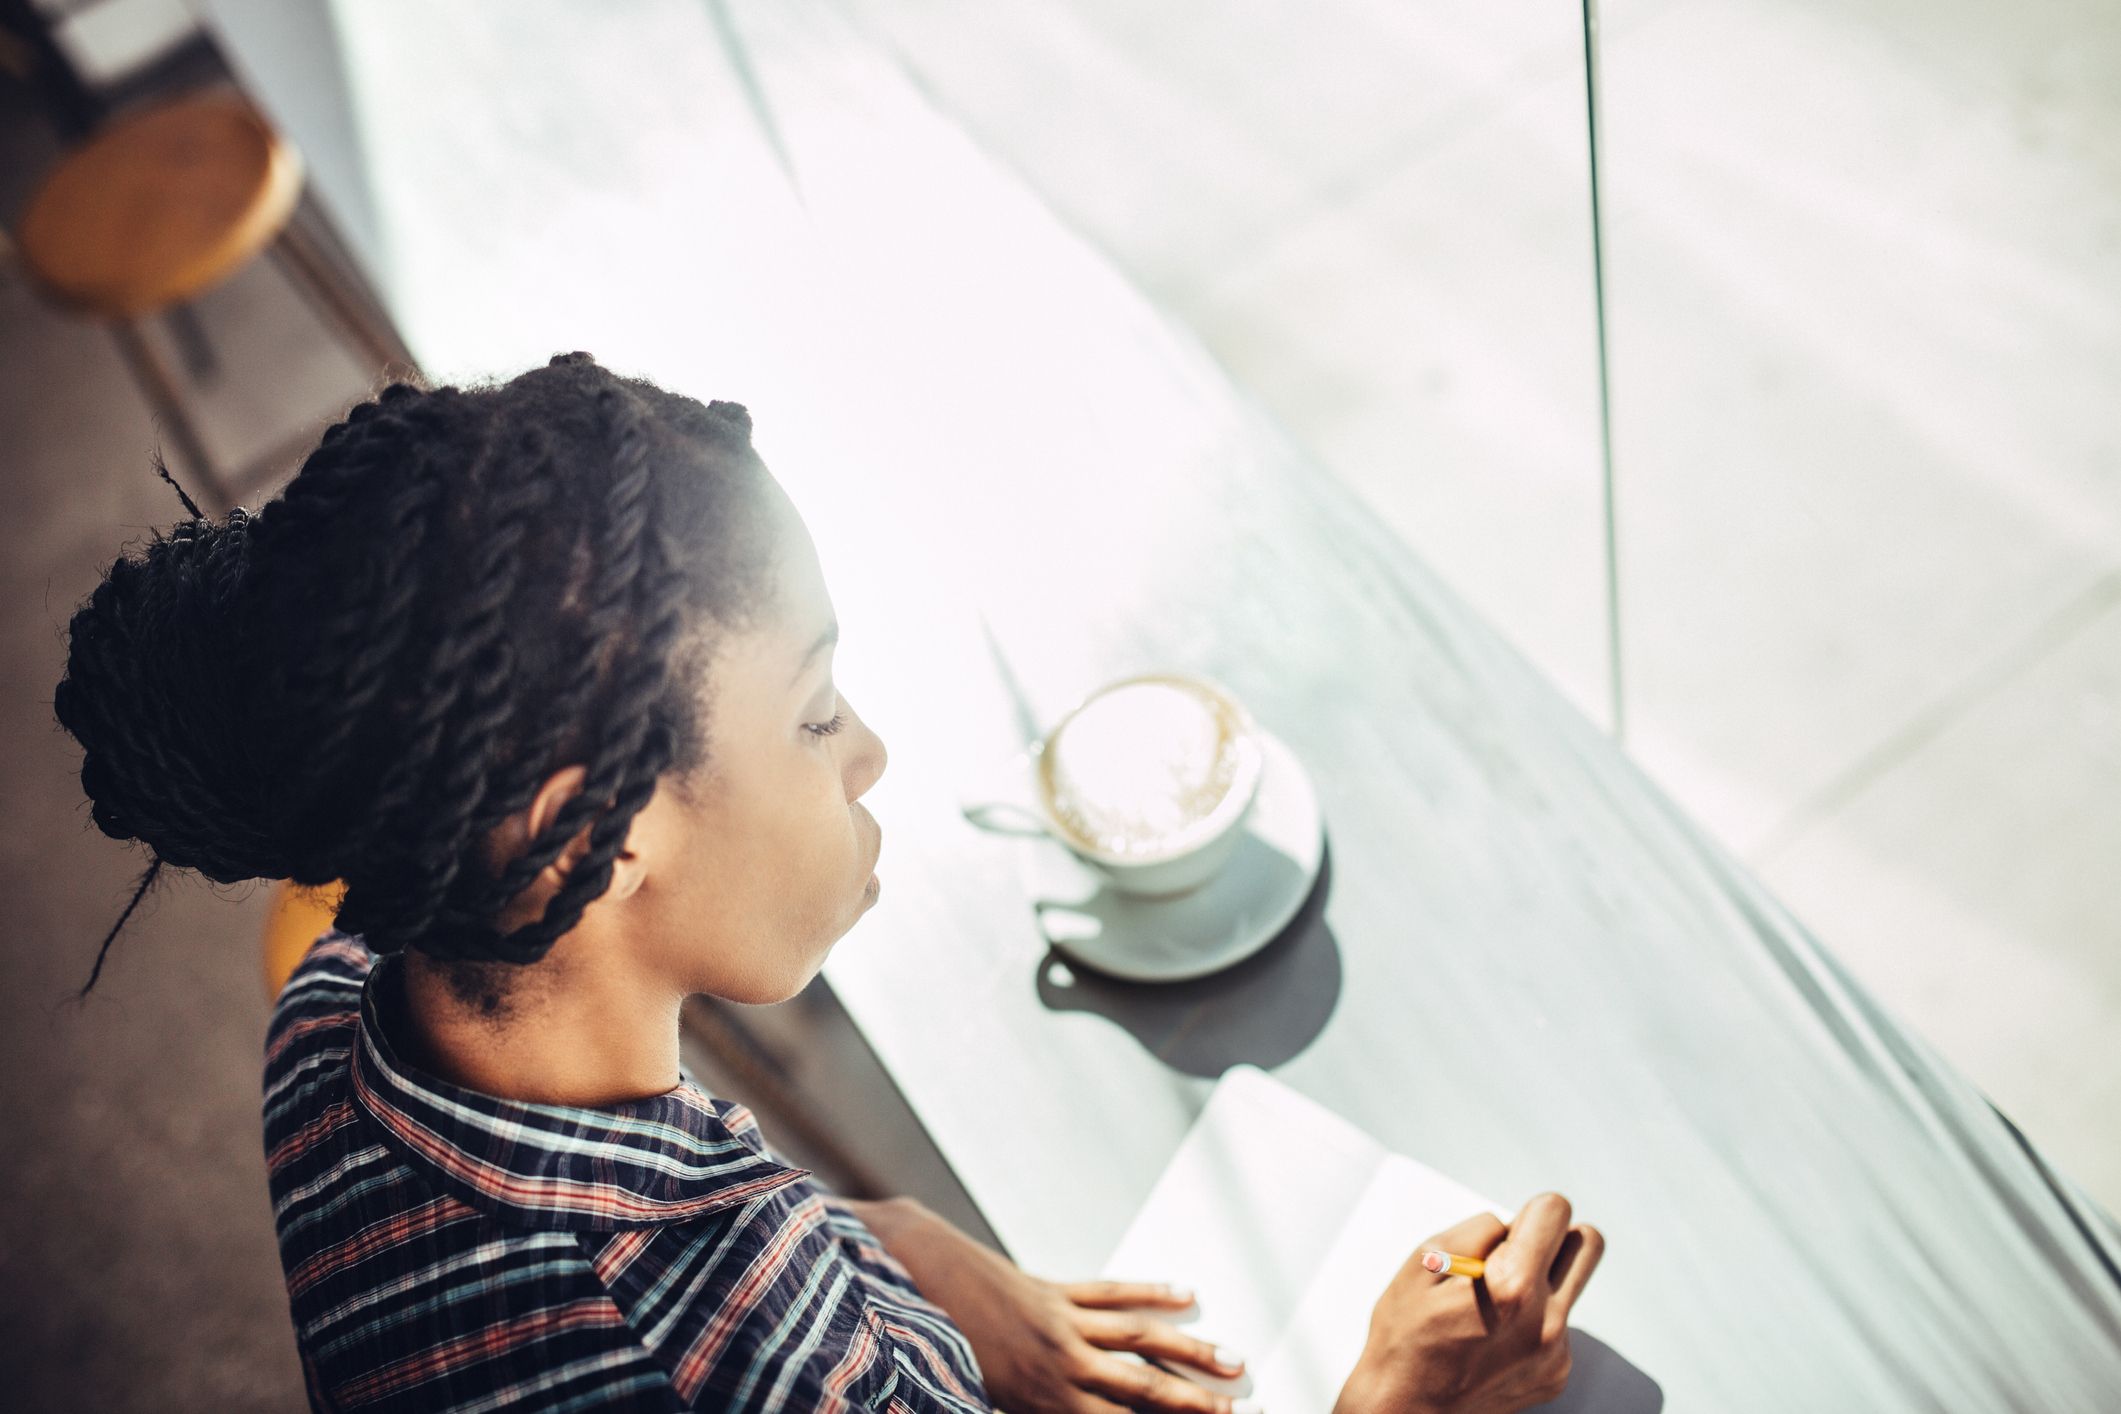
(159, 207)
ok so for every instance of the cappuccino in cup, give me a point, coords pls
(1148, 781)
(1145, 768)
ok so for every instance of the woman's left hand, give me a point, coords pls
(1046, 1345)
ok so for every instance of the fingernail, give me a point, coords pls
(1246, 1406)
(1180, 1293)
(1228, 1358)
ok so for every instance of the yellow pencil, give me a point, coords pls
(1450, 1264)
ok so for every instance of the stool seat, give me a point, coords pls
(160, 206)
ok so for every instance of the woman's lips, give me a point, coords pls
(871, 889)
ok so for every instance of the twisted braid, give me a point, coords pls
(622, 775)
(436, 785)
(461, 592)
(609, 594)
(357, 637)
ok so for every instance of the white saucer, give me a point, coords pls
(1221, 923)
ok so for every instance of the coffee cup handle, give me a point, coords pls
(1004, 817)
(989, 806)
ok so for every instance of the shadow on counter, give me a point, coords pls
(1263, 1011)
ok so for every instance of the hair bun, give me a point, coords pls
(155, 693)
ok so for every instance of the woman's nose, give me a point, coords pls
(865, 763)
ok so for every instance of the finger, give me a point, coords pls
(1140, 1386)
(1160, 1340)
(1106, 1294)
(1475, 1236)
(1589, 1248)
(1519, 1266)
(1081, 1401)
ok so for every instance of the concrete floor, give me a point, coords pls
(138, 1248)
(1864, 270)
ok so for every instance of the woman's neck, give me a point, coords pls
(588, 1039)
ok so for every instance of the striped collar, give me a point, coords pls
(670, 1157)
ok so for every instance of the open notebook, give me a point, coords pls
(1288, 1222)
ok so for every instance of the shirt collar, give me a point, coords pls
(669, 1157)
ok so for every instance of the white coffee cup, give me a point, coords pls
(1148, 780)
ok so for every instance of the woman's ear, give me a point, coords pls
(513, 836)
(559, 788)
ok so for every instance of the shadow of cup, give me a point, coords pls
(1263, 1010)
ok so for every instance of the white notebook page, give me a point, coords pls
(1288, 1222)
(1201, 1227)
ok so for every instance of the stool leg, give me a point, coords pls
(167, 400)
(314, 277)
(201, 363)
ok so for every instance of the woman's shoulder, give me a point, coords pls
(309, 1045)
(325, 986)
(335, 954)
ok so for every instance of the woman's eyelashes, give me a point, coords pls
(839, 719)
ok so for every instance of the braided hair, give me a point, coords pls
(460, 592)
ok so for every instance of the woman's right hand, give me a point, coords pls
(1490, 1345)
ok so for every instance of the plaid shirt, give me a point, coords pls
(446, 1249)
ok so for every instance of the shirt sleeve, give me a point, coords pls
(932, 1351)
(863, 1246)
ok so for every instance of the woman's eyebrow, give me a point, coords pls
(825, 640)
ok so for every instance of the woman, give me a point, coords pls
(543, 672)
